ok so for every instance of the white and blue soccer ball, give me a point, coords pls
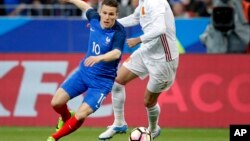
(140, 134)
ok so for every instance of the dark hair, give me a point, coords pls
(111, 3)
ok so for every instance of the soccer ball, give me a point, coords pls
(140, 134)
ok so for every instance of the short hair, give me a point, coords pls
(111, 3)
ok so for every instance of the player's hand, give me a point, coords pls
(92, 60)
(133, 41)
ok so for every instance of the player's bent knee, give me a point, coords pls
(120, 81)
(149, 104)
(55, 104)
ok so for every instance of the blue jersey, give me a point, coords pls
(102, 41)
(96, 81)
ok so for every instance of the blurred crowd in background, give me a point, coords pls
(228, 32)
(181, 8)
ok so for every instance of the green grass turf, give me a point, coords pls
(91, 134)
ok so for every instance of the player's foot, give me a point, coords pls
(60, 122)
(51, 139)
(156, 133)
(112, 130)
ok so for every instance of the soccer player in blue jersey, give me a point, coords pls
(97, 70)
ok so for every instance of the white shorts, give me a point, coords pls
(161, 73)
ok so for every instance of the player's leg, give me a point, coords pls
(153, 112)
(118, 99)
(74, 122)
(131, 69)
(118, 94)
(161, 78)
(70, 88)
(92, 101)
(58, 103)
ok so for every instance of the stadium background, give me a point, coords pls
(36, 55)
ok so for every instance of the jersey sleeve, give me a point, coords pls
(119, 40)
(92, 14)
(132, 19)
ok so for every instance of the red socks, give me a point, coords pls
(70, 126)
(64, 112)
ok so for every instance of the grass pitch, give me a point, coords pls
(91, 134)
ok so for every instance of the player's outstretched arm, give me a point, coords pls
(79, 3)
(132, 19)
(109, 56)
